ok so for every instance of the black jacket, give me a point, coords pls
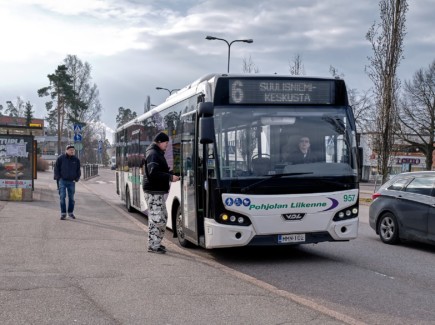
(297, 157)
(67, 168)
(157, 175)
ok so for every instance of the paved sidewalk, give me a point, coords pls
(96, 270)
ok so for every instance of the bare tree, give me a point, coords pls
(296, 66)
(86, 91)
(15, 110)
(249, 66)
(386, 39)
(86, 108)
(417, 113)
(361, 103)
(334, 72)
(362, 108)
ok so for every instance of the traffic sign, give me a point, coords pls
(77, 128)
(78, 146)
(77, 137)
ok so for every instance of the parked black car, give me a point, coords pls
(404, 208)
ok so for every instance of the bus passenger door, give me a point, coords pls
(135, 163)
(188, 187)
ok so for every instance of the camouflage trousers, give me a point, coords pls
(157, 218)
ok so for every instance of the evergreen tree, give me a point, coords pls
(124, 115)
(62, 95)
(28, 113)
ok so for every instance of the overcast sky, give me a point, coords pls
(134, 46)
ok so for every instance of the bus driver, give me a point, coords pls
(302, 154)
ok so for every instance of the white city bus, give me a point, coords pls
(229, 135)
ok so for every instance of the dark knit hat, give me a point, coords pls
(70, 146)
(161, 137)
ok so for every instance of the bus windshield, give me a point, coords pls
(260, 141)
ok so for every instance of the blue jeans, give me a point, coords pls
(65, 186)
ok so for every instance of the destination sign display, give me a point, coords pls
(268, 91)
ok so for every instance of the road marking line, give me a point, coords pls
(384, 275)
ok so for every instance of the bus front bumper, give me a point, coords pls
(218, 235)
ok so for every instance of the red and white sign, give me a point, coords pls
(10, 183)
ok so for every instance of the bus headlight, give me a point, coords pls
(348, 213)
(232, 218)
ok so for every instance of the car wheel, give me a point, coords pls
(127, 201)
(388, 229)
(179, 229)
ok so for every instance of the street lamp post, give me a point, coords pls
(169, 91)
(212, 38)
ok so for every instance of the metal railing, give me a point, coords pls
(90, 170)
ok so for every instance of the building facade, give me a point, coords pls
(403, 158)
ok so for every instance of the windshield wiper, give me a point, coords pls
(249, 187)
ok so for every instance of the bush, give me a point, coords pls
(41, 164)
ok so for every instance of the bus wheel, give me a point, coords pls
(179, 229)
(127, 201)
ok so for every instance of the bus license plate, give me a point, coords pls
(291, 238)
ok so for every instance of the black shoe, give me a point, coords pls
(72, 216)
(62, 217)
(163, 247)
(157, 250)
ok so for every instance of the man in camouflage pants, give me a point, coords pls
(156, 185)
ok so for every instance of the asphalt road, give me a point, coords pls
(363, 278)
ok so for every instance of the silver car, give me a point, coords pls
(404, 208)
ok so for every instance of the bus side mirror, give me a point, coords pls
(205, 109)
(206, 130)
(360, 156)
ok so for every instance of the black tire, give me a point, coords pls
(179, 229)
(388, 229)
(127, 201)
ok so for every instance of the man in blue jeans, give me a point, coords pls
(67, 172)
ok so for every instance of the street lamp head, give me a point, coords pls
(169, 91)
(210, 38)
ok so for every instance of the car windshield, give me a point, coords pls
(260, 141)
